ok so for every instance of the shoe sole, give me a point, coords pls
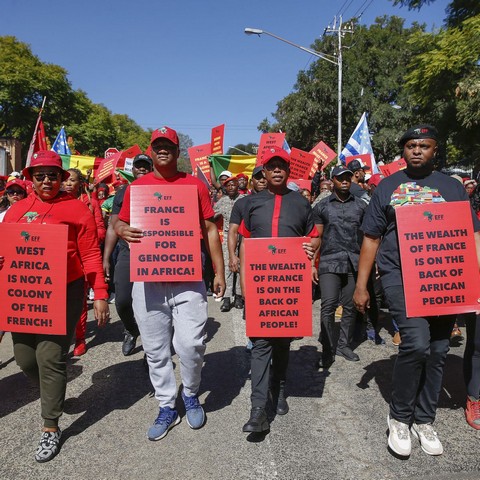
(417, 436)
(390, 444)
(164, 434)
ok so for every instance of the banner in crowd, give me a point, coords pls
(269, 140)
(439, 260)
(393, 167)
(199, 158)
(33, 281)
(217, 140)
(323, 156)
(301, 163)
(278, 299)
(170, 248)
(233, 163)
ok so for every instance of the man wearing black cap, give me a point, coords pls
(358, 169)
(338, 218)
(274, 212)
(142, 164)
(417, 375)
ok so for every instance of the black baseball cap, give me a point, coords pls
(340, 170)
(143, 157)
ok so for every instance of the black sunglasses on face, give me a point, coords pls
(40, 177)
(15, 192)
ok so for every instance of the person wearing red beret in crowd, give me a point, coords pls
(43, 357)
(75, 186)
(242, 183)
(15, 190)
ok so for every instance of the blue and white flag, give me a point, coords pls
(359, 144)
(60, 144)
(286, 146)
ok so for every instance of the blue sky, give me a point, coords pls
(187, 64)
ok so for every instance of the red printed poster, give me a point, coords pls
(439, 260)
(269, 140)
(301, 163)
(33, 281)
(323, 155)
(199, 158)
(392, 167)
(279, 287)
(217, 140)
(170, 247)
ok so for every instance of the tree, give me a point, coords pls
(375, 62)
(248, 149)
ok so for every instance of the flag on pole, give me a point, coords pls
(39, 139)
(359, 144)
(60, 145)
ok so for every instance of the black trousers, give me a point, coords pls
(471, 357)
(266, 350)
(418, 370)
(337, 289)
(123, 292)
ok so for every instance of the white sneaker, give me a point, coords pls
(399, 438)
(428, 438)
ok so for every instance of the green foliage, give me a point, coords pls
(249, 148)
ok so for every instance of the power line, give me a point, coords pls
(340, 9)
(347, 7)
(364, 9)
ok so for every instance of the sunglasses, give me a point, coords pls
(15, 192)
(40, 177)
(168, 148)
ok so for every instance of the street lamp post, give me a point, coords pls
(335, 60)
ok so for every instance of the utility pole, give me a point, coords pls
(340, 31)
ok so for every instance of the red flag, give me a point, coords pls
(39, 140)
(217, 139)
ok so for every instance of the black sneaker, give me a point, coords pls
(348, 354)
(129, 342)
(48, 447)
(257, 422)
(239, 302)
(226, 306)
(326, 360)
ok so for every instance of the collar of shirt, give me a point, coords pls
(333, 197)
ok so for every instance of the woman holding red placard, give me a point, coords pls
(42, 357)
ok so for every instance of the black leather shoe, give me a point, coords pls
(348, 354)
(239, 302)
(257, 422)
(326, 360)
(129, 342)
(225, 305)
(279, 401)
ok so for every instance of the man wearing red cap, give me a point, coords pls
(175, 312)
(274, 212)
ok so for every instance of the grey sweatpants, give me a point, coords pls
(164, 310)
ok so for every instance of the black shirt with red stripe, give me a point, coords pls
(266, 215)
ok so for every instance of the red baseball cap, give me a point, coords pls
(19, 183)
(274, 152)
(45, 158)
(167, 133)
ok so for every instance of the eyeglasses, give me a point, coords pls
(168, 148)
(15, 192)
(40, 177)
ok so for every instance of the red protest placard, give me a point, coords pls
(269, 140)
(301, 163)
(278, 300)
(33, 281)
(323, 155)
(217, 139)
(392, 167)
(199, 158)
(439, 261)
(170, 248)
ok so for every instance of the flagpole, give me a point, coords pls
(32, 143)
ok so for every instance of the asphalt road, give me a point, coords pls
(336, 427)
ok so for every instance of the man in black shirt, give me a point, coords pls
(418, 371)
(338, 218)
(274, 212)
(358, 169)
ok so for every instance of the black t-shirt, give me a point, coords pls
(238, 210)
(266, 215)
(116, 207)
(393, 192)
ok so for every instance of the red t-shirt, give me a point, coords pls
(205, 209)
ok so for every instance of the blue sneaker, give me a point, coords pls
(167, 418)
(194, 411)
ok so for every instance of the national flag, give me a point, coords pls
(81, 162)
(233, 163)
(60, 145)
(359, 144)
